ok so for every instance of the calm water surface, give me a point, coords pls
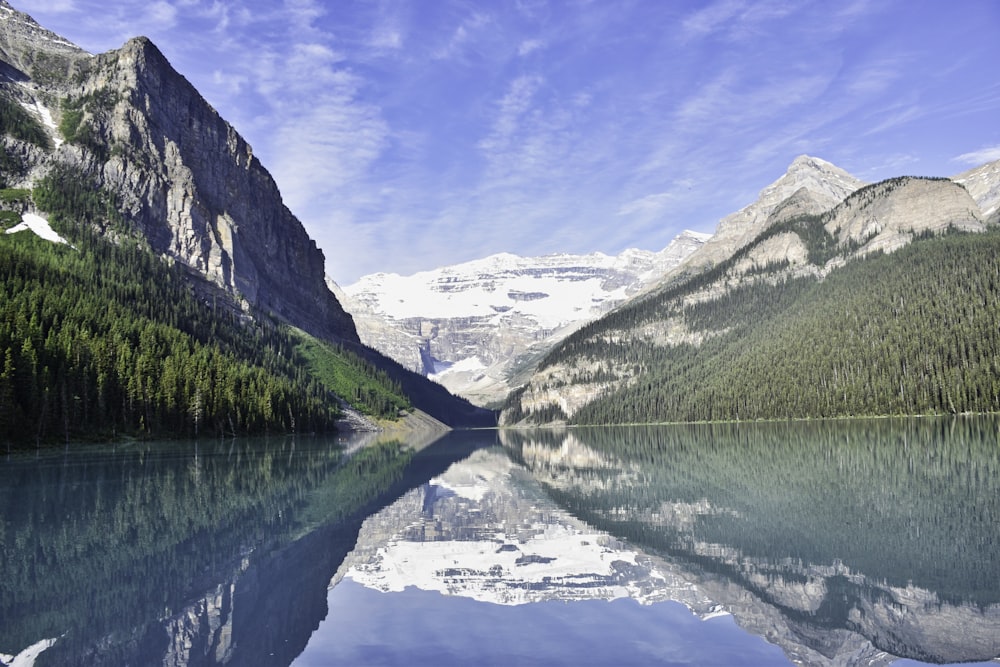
(824, 543)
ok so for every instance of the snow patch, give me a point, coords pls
(716, 612)
(39, 225)
(469, 365)
(43, 112)
(27, 657)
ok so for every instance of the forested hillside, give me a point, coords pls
(192, 301)
(911, 332)
(106, 338)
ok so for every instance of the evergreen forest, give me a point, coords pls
(105, 339)
(916, 331)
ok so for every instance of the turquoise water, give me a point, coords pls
(720, 544)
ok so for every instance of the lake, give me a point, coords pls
(869, 542)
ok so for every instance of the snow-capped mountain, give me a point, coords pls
(474, 326)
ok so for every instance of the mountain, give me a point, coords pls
(810, 185)
(878, 305)
(128, 122)
(122, 146)
(983, 184)
(474, 327)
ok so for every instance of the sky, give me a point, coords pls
(412, 134)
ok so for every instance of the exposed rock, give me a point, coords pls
(983, 184)
(810, 185)
(474, 327)
(184, 177)
(887, 215)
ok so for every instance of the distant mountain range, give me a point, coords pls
(481, 328)
(475, 327)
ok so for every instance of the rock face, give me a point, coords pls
(886, 215)
(182, 175)
(983, 184)
(473, 327)
(810, 185)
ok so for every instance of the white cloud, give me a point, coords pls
(895, 118)
(163, 14)
(302, 13)
(58, 6)
(514, 104)
(528, 46)
(711, 18)
(887, 166)
(875, 78)
(647, 205)
(465, 33)
(233, 84)
(324, 147)
(981, 156)
(387, 37)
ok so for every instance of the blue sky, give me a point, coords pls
(409, 134)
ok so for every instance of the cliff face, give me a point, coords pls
(182, 175)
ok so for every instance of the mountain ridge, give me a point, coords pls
(475, 325)
(793, 243)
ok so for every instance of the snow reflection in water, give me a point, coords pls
(495, 529)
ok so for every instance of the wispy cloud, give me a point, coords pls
(875, 78)
(302, 14)
(407, 135)
(59, 6)
(736, 20)
(511, 109)
(529, 46)
(464, 35)
(649, 204)
(163, 13)
(978, 157)
(895, 117)
(712, 18)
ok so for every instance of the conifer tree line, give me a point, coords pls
(916, 331)
(106, 339)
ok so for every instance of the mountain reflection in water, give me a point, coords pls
(841, 542)
(849, 542)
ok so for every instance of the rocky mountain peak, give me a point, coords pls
(983, 184)
(30, 52)
(184, 177)
(814, 185)
(20, 30)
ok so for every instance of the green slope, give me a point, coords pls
(103, 339)
(913, 332)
